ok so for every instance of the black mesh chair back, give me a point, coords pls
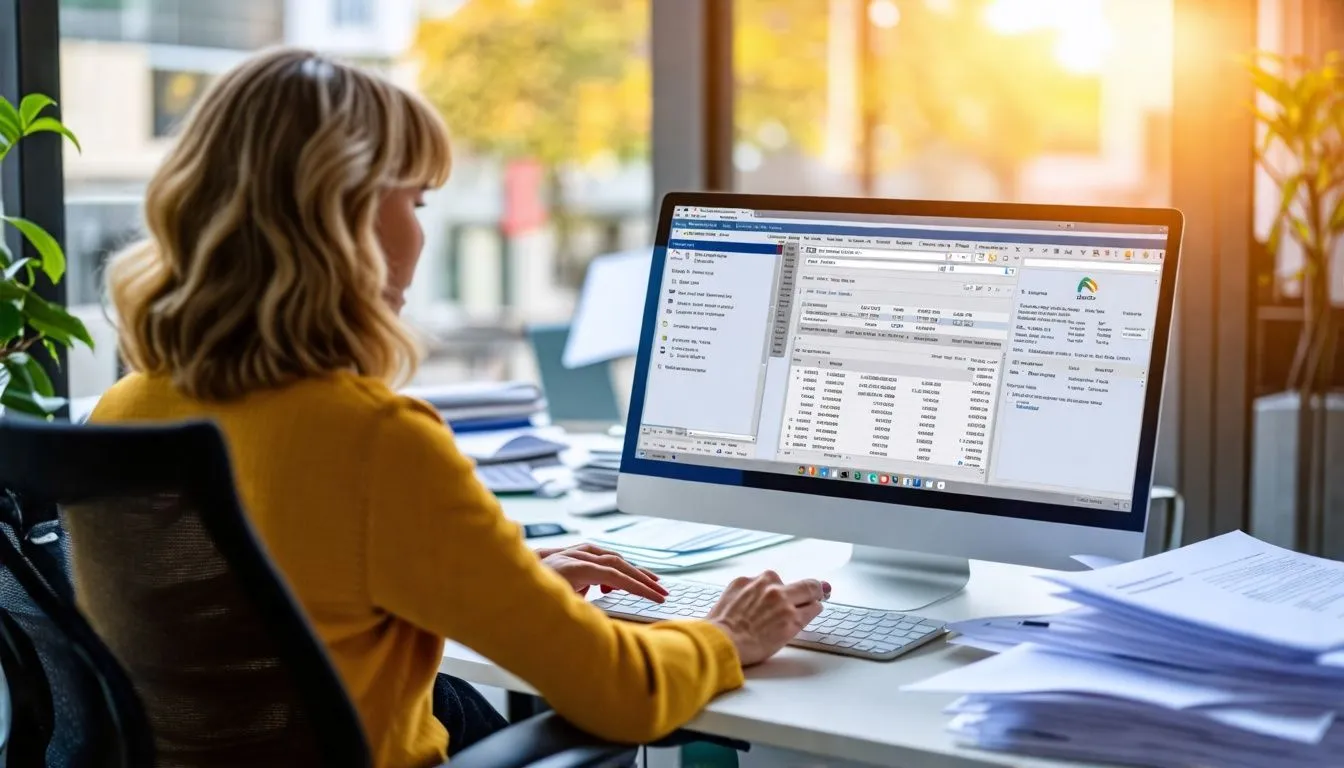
(29, 717)
(171, 579)
(73, 691)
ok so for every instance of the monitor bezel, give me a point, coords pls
(1133, 520)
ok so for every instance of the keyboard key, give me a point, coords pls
(866, 632)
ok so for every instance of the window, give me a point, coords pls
(548, 103)
(352, 13)
(174, 94)
(1012, 100)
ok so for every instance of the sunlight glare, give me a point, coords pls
(1084, 35)
(884, 14)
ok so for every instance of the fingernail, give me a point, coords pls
(826, 587)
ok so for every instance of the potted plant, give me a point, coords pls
(31, 326)
(1301, 150)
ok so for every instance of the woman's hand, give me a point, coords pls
(586, 566)
(763, 614)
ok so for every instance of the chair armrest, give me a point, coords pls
(543, 741)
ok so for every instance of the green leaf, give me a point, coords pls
(53, 260)
(1289, 194)
(31, 106)
(51, 124)
(5, 256)
(14, 267)
(11, 321)
(1302, 232)
(24, 369)
(11, 127)
(41, 381)
(1273, 86)
(50, 346)
(27, 401)
(1275, 239)
(13, 291)
(52, 320)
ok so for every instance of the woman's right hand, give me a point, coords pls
(762, 614)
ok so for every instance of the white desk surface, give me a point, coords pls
(816, 702)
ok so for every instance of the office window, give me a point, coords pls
(352, 13)
(1013, 100)
(174, 94)
(548, 102)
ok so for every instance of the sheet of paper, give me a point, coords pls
(676, 536)
(1233, 584)
(1095, 562)
(693, 560)
(1305, 726)
(610, 312)
(1028, 669)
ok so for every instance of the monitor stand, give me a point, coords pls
(894, 580)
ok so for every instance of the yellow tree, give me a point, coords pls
(946, 77)
(941, 76)
(555, 81)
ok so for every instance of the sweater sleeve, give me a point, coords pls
(442, 555)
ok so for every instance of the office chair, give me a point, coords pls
(582, 396)
(200, 653)
(30, 716)
(66, 683)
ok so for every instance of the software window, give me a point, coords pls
(965, 353)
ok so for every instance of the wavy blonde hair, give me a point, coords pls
(262, 265)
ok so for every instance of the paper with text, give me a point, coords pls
(1233, 584)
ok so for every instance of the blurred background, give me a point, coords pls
(550, 104)
(571, 118)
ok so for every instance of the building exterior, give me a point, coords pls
(131, 69)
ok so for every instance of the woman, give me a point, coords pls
(282, 239)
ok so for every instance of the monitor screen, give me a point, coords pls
(962, 362)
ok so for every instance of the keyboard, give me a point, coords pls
(844, 629)
(508, 477)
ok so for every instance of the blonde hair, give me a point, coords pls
(262, 265)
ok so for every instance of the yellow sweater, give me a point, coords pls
(391, 544)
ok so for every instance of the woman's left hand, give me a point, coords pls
(586, 566)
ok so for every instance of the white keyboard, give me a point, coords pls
(844, 629)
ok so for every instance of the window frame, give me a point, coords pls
(32, 179)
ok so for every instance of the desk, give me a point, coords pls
(815, 702)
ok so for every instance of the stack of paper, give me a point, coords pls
(669, 545)
(470, 407)
(1229, 652)
(600, 472)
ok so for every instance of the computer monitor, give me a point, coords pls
(930, 381)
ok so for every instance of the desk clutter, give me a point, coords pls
(1228, 653)
(506, 461)
(669, 546)
(600, 472)
(484, 406)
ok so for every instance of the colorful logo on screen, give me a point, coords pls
(1087, 284)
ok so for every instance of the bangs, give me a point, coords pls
(426, 158)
